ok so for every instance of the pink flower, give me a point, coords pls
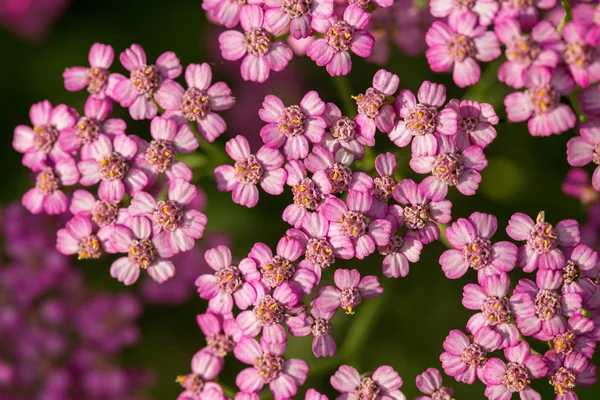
(342, 133)
(589, 99)
(158, 156)
(101, 212)
(46, 195)
(170, 217)
(198, 103)
(295, 15)
(95, 78)
(587, 14)
(419, 212)
(384, 383)
(110, 164)
(542, 240)
(454, 165)
(458, 45)
(583, 149)
(279, 268)
(540, 103)
(206, 366)
(250, 170)
(577, 337)
(402, 249)
(88, 128)
(540, 308)
(312, 394)
(262, 53)
(226, 12)
(319, 325)
(526, 13)
(569, 372)
(490, 298)
(581, 52)
(384, 184)
(40, 142)
(475, 122)
(78, 238)
(485, 10)
(374, 109)
(352, 219)
(540, 48)
(422, 120)
(341, 36)
(229, 282)
(144, 251)
(430, 383)
(465, 358)
(309, 193)
(284, 376)
(221, 333)
(579, 271)
(578, 182)
(471, 239)
(294, 126)
(503, 380)
(137, 92)
(350, 291)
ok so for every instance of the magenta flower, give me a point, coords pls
(269, 367)
(454, 165)
(295, 15)
(578, 183)
(589, 99)
(384, 383)
(422, 120)
(95, 78)
(419, 212)
(526, 12)
(577, 337)
(458, 45)
(350, 291)
(581, 267)
(88, 128)
(249, 170)
(342, 133)
(281, 267)
(221, 333)
(464, 358)
(269, 311)
(490, 297)
(225, 12)
(309, 193)
(542, 240)
(383, 185)
(294, 126)
(206, 366)
(374, 110)
(137, 91)
(352, 219)
(581, 52)
(158, 156)
(40, 142)
(485, 10)
(402, 249)
(583, 149)
(319, 325)
(540, 307)
(144, 251)
(262, 53)
(46, 195)
(587, 14)
(341, 37)
(110, 164)
(101, 212)
(569, 372)
(475, 122)
(229, 283)
(430, 383)
(540, 48)
(198, 103)
(540, 103)
(471, 239)
(170, 217)
(503, 380)
(312, 394)
(78, 238)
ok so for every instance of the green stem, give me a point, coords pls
(568, 15)
(576, 106)
(344, 89)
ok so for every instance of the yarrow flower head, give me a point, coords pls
(542, 240)
(568, 372)
(578, 336)
(585, 148)
(94, 78)
(47, 195)
(343, 133)
(229, 283)
(40, 143)
(350, 291)
(475, 122)
(226, 12)
(198, 103)
(374, 110)
(457, 45)
(581, 52)
(78, 237)
(221, 333)
(471, 239)
(137, 92)
(197, 385)
(485, 10)
(319, 325)
(526, 12)
(383, 383)
(101, 212)
(341, 37)
(430, 383)
(264, 168)
(294, 126)
(403, 248)
(257, 45)
(296, 15)
(421, 120)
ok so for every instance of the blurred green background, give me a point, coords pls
(404, 328)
